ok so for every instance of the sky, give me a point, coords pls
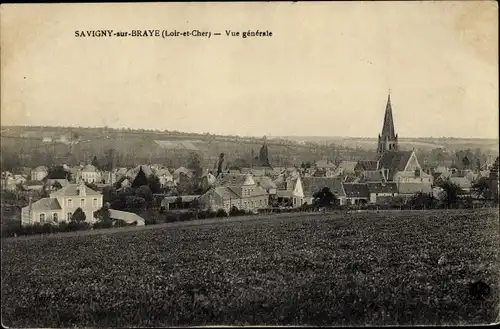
(326, 71)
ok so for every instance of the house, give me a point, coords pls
(267, 184)
(120, 173)
(179, 171)
(244, 195)
(346, 167)
(34, 185)
(356, 193)
(381, 192)
(39, 173)
(461, 180)
(208, 180)
(132, 173)
(371, 176)
(366, 165)
(173, 202)
(61, 205)
(90, 174)
(325, 165)
(108, 177)
(164, 176)
(306, 187)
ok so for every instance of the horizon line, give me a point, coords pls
(157, 130)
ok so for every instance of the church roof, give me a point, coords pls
(388, 127)
(395, 160)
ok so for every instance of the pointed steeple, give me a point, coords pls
(388, 140)
(388, 127)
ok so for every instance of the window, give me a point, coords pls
(94, 202)
(82, 202)
(42, 218)
(69, 216)
(55, 217)
(70, 203)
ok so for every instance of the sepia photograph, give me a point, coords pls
(191, 164)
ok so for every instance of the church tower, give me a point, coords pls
(388, 140)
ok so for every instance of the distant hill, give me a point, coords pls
(43, 145)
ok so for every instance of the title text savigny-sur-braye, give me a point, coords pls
(167, 33)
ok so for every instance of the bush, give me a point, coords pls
(103, 224)
(221, 213)
(170, 218)
(185, 216)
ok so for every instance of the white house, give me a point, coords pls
(90, 174)
(61, 205)
(39, 173)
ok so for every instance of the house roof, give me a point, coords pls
(183, 170)
(51, 181)
(368, 165)
(372, 176)
(325, 164)
(162, 172)
(311, 185)
(284, 193)
(265, 182)
(225, 193)
(89, 168)
(382, 187)
(184, 198)
(231, 179)
(132, 173)
(413, 188)
(72, 190)
(463, 181)
(46, 204)
(34, 183)
(128, 217)
(41, 168)
(248, 180)
(356, 190)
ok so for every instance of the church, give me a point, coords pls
(394, 165)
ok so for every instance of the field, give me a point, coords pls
(410, 267)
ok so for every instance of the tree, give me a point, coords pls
(78, 216)
(466, 162)
(103, 214)
(238, 164)
(185, 185)
(482, 188)
(58, 172)
(95, 163)
(264, 155)
(135, 204)
(324, 198)
(57, 185)
(145, 193)
(109, 159)
(194, 163)
(154, 184)
(140, 179)
(452, 191)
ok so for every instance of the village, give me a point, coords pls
(395, 178)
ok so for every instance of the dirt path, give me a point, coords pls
(199, 222)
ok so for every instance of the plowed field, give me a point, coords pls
(387, 268)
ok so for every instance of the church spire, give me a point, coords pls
(388, 140)
(388, 127)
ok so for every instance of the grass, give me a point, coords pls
(336, 269)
